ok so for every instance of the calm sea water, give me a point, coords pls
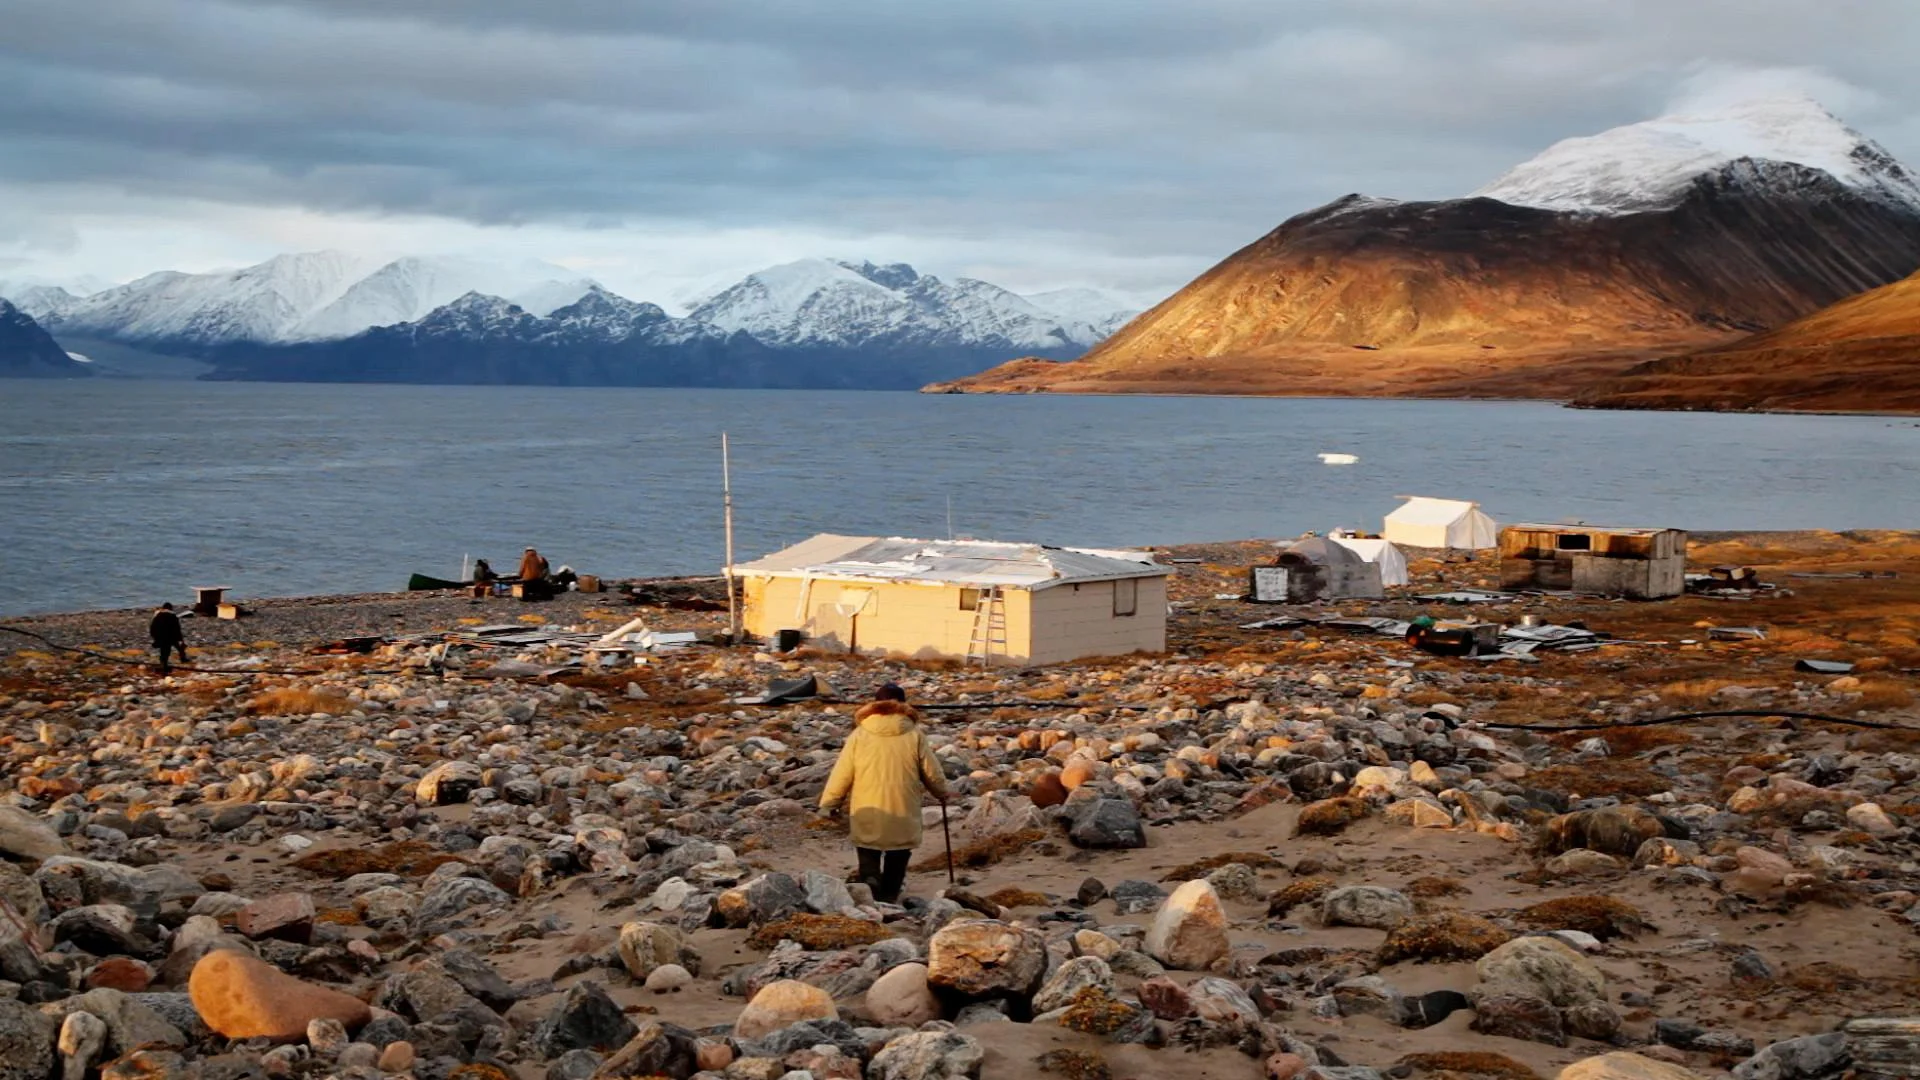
(123, 493)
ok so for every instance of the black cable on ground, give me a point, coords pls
(176, 667)
(1676, 718)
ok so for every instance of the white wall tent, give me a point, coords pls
(1392, 562)
(1441, 523)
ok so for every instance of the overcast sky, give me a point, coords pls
(662, 144)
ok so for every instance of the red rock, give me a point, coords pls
(1048, 790)
(243, 997)
(1285, 1066)
(781, 1004)
(397, 1057)
(287, 917)
(125, 974)
(1165, 998)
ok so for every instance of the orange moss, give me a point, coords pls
(983, 852)
(816, 933)
(1442, 935)
(1329, 816)
(298, 701)
(1011, 897)
(1473, 1063)
(1602, 916)
(1074, 1064)
(1304, 891)
(1619, 777)
(1200, 868)
(410, 858)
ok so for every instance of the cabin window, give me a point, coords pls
(1126, 596)
(1575, 542)
(969, 599)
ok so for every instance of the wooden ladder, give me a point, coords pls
(989, 627)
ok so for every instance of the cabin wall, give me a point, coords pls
(1074, 621)
(1639, 566)
(924, 621)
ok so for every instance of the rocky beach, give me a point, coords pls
(361, 842)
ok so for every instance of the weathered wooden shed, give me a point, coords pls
(1639, 564)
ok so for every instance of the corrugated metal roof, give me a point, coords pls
(953, 562)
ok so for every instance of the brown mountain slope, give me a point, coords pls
(1474, 297)
(1861, 354)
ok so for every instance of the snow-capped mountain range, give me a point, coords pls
(1651, 165)
(330, 295)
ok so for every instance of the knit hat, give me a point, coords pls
(889, 692)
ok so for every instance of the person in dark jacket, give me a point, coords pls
(482, 573)
(168, 636)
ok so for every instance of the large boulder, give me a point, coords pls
(645, 946)
(26, 1042)
(69, 882)
(1069, 979)
(1190, 931)
(447, 783)
(928, 1055)
(25, 836)
(1615, 830)
(243, 997)
(1621, 1065)
(586, 1019)
(657, 1049)
(783, 1004)
(977, 959)
(1519, 1016)
(131, 1022)
(1106, 824)
(902, 997)
(1813, 1057)
(1365, 905)
(1541, 967)
(760, 901)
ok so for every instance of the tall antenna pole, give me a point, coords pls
(949, 515)
(726, 490)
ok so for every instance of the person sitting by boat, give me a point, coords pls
(533, 567)
(483, 574)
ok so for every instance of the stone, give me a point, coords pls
(1077, 772)
(573, 1065)
(1541, 967)
(1108, 824)
(712, 1055)
(1661, 851)
(586, 1019)
(453, 897)
(27, 1042)
(645, 946)
(28, 837)
(1069, 979)
(1094, 943)
(902, 997)
(1812, 1057)
(357, 1055)
(1519, 1016)
(1418, 814)
(928, 1055)
(765, 899)
(1236, 881)
(1190, 931)
(82, 1041)
(1222, 1001)
(1870, 818)
(1136, 897)
(1368, 995)
(396, 1057)
(1048, 790)
(131, 1022)
(1585, 862)
(1592, 1020)
(122, 973)
(1621, 1065)
(1091, 891)
(1165, 998)
(1284, 1066)
(1613, 830)
(669, 979)
(1377, 778)
(149, 1065)
(1098, 1012)
(448, 783)
(976, 959)
(656, 1049)
(781, 1004)
(826, 894)
(1365, 905)
(243, 997)
(327, 1036)
(286, 917)
(100, 929)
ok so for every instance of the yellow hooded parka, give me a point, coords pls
(886, 765)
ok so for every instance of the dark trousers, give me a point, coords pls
(885, 872)
(165, 648)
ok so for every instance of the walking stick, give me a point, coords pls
(948, 836)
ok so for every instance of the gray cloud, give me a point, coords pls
(1140, 140)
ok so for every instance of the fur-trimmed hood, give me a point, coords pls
(887, 717)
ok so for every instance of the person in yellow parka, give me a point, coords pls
(886, 765)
